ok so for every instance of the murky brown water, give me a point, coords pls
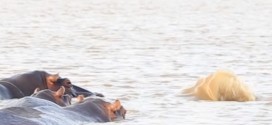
(144, 52)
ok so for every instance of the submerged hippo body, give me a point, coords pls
(14, 116)
(98, 110)
(43, 98)
(37, 110)
(22, 85)
(30, 110)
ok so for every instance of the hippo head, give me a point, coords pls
(67, 84)
(54, 82)
(111, 111)
(99, 108)
(57, 97)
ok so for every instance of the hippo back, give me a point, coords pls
(29, 102)
(10, 116)
(35, 111)
(24, 84)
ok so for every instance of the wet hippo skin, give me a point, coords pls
(58, 97)
(29, 110)
(43, 97)
(34, 110)
(22, 85)
(98, 110)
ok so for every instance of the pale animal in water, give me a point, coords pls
(221, 86)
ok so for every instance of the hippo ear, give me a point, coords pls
(80, 98)
(53, 78)
(36, 90)
(115, 105)
(60, 92)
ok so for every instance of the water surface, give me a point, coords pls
(144, 52)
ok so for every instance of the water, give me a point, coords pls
(144, 52)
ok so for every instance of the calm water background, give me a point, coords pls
(144, 52)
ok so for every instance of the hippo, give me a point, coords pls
(22, 85)
(43, 97)
(98, 110)
(24, 110)
(42, 110)
(57, 97)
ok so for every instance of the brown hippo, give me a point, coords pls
(24, 111)
(57, 97)
(22, 85)
(45, 112)
(98, 110)
(43, 97)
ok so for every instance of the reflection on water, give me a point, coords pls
(145, 52)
